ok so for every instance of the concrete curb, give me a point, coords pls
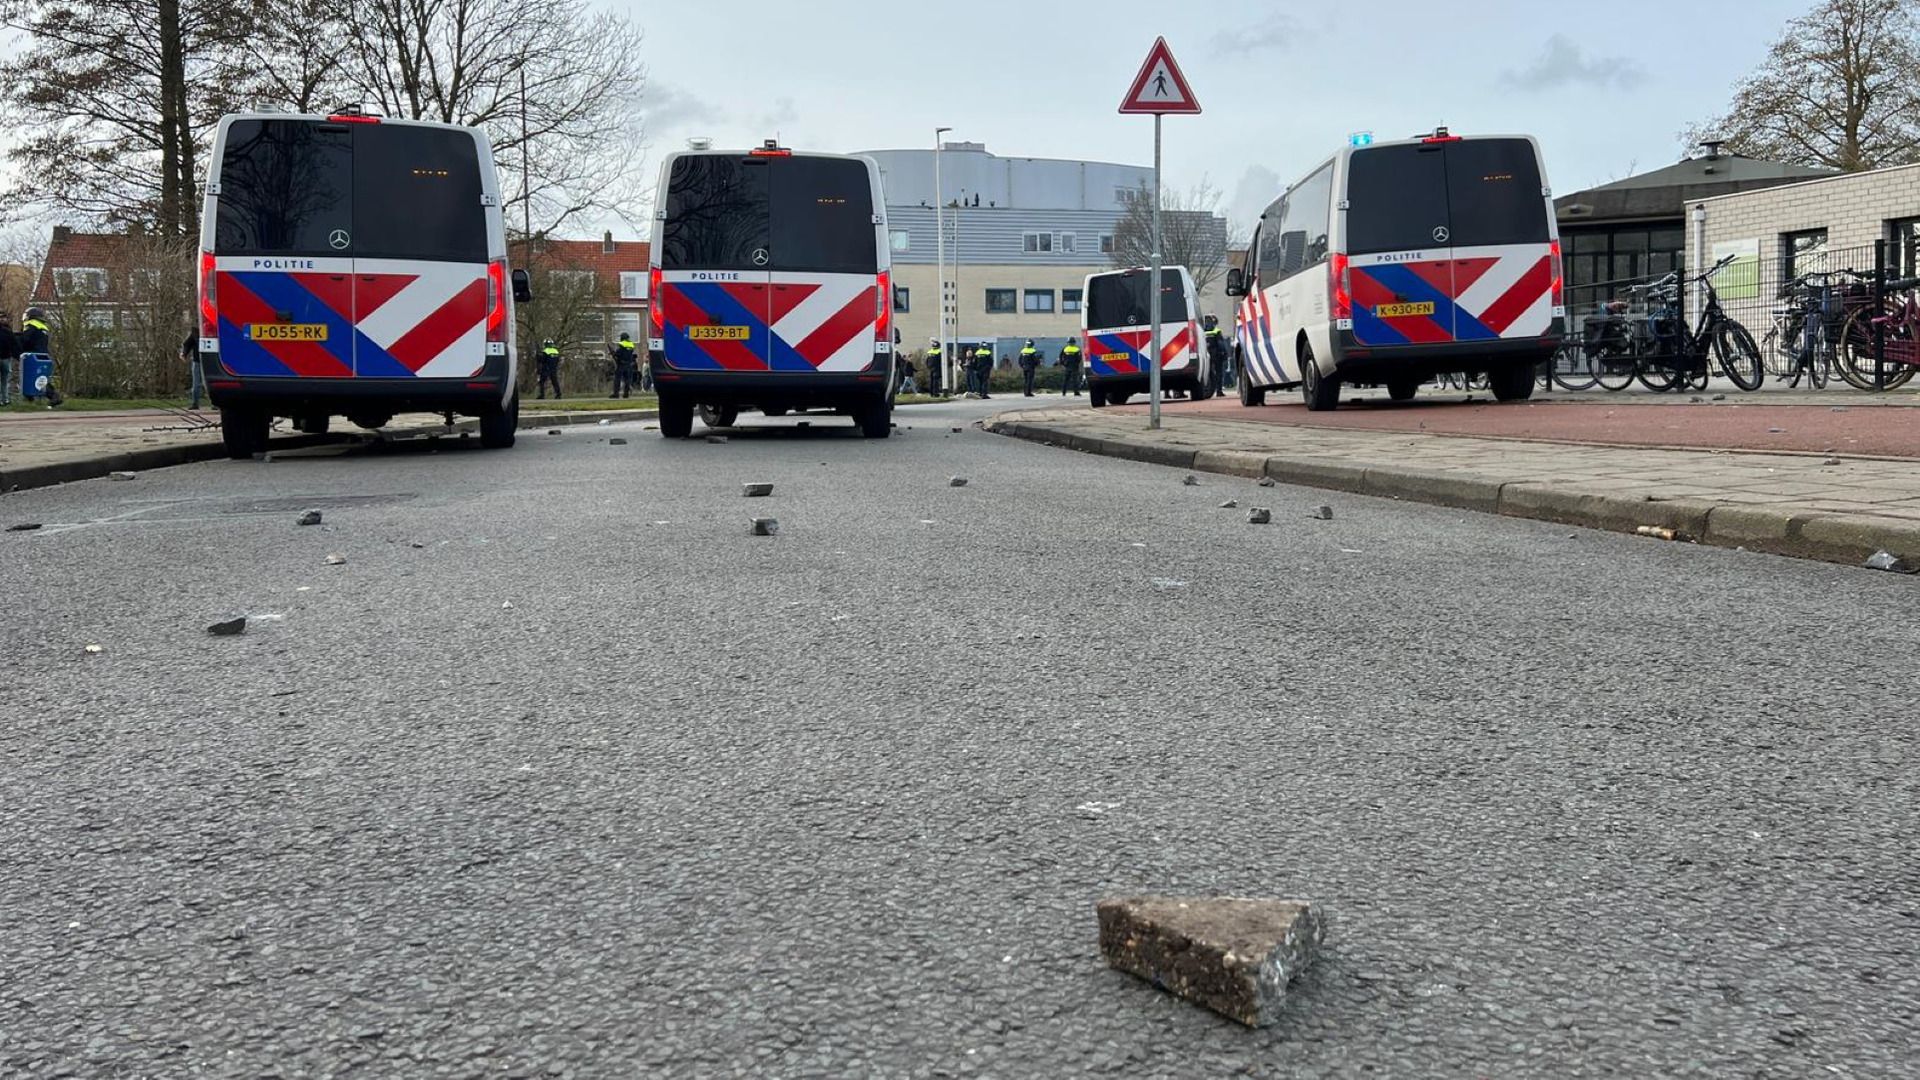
(1837, 538)
(26, 477)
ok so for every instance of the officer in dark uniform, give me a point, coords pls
(1218, 352)
(983, 368)
(935, 361)
(549, 365)
(34, 340)
(1030, 358)
(1070, 366)
(626, 366)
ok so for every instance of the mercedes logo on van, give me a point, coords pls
(339, 239)
(759, 256)
(1442, 234)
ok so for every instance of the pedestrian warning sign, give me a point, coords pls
(1160, 88)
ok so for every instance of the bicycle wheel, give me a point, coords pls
(1656, 377)
(1739, 356)
(1783, 362)
(1612, 368)
(1854, 357)
(1572, 368)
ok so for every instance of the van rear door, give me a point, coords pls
(1448, 240)
(1119, 321)
(283, 275)
(824, 299)
(715, 258)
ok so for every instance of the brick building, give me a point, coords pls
(612, 274)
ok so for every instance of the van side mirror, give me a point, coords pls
(1236, 282)
(522, 287)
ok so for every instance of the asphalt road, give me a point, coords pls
(563, 773)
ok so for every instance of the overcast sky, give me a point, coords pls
(1605, 87)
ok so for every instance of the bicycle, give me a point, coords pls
(1675, 354)
(1899, 328)
(1807, 332)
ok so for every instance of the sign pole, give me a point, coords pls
(1153, 285)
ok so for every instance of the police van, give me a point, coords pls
(354, 266)
(1395, 262)
(770, 288)
(1116, 321)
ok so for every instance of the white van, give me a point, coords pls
(353, 265)
(1116, 320)
(770, 288)
(1396, 262)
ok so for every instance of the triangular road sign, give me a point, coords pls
(1160, 88)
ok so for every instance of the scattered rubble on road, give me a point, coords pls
(766, 526)
(716, 438)
(94, 650)
(616, 442)
(1190, 480)
(553, 431)
(122, 475)
(606, 423)
(1233, 955)
(1266, 481)
(1259, 515)
(756, 491)
(957, 431)
(308, 517)
(336, 559)
(229, 627)
(1658, 532)
(25, 526)
(1888, 561)
(1322, 513)
(956, 481)
(1230, 504)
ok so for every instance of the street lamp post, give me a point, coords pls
(940, 257)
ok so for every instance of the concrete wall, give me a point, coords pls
(966, 170)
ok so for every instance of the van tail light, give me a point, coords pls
(1340, 286)
(209, 301)
(1559, 277)
(497, 300)
(655, 312)
(883, 308)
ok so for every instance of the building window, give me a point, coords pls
(98, 319)
(1070, 301)
(900, 240)
(1903, 247)
(628, 323)
(1037, 243)
(902, 299)
(579, 282)
(593, 329)
(1106, 243)
(633, 285)
(1801, 252)
(1066, 242)
(1039, 301)
(1000, 301)
(80, 281)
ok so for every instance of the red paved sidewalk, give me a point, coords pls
(1842, 427)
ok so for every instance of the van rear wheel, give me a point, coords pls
(1403, 389)
(1511, 383)
(676, 417)
(875, 419)
(244, 431)
(1117, 397)
(1097, 397)
(719, 416)
(497, 428)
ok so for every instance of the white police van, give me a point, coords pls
(770, 288)
(1394, 262)
(1116, 320)
(354, 265)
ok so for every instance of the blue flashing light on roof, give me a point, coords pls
(1360, 138)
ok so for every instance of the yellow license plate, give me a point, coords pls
(717, 333)
(1115, 357)
(1401, 311)
(288, 331)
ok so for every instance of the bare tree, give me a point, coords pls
(1840, 88)
(1192, 231)
(555, 78)
(117, 98)
(297, 56)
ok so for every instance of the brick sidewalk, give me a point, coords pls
(1816, 506)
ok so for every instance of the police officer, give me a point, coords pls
(1218, 352)
(1070, 363)
(983, 368)
(1030, 358)
(549, 365)
(626, 366)
(34, 340)
(935, 361)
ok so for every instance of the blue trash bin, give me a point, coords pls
(36, 375)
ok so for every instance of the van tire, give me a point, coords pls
(497, 428)
(1250, 395)
(1096, 397)
(1117, 398)
(875, 419)
(1511, 383)
(1204, 388)
(244, 431)
(313, 424)
(719, 416)
(1403, 389)
(1322, 393)
(676, 417)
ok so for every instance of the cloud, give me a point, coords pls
(668, 109)
(1275, 32)
(1563, 64)
(1257, 188)
(782, 115)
